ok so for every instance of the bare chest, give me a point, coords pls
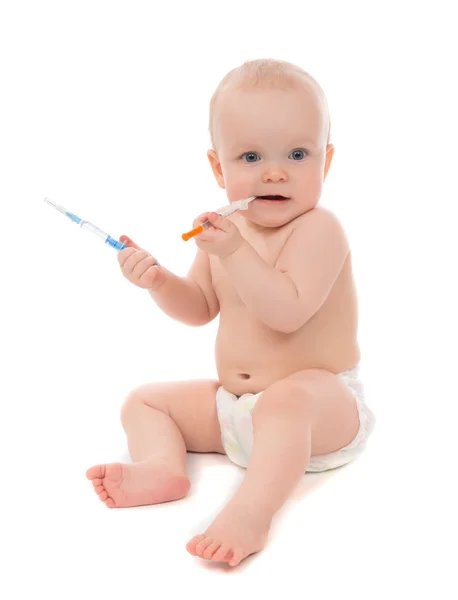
(268, 245)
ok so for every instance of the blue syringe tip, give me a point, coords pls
(116, 244)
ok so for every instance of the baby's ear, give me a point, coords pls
(329, 155)
(216, 168)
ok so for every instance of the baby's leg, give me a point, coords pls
(162, 421)
(311, 412)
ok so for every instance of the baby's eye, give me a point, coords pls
(251, 156)
(297, 154)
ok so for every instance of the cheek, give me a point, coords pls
(239, 183)
(314, 187)
(311, 181)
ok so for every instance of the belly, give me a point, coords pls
(250, 356)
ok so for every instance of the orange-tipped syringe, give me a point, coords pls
(224, 212)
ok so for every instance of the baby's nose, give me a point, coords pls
(275, 175)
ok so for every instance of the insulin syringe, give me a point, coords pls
(224, 212)
(86, 225)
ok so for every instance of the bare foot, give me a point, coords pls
(138, 484)
(234, 534)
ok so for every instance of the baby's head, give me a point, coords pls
(269, 128)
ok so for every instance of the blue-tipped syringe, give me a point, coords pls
(116, 244)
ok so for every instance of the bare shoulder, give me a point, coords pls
(317, 237)
(320, 220)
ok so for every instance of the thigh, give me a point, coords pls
(321, 398)
(192, 406)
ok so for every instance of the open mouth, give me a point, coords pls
(274, 198)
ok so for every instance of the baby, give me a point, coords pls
(288, 397)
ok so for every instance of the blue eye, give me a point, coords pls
(297, 154)
(250, 156)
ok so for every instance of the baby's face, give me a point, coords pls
(271, 142)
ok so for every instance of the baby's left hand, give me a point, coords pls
(221, 239)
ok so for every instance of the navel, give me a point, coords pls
(244, 375)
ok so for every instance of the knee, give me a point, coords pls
(128, 405)
(135, 399)
(288, 397)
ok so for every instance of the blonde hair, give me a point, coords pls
(265, 73)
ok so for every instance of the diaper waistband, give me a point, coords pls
(353, 373)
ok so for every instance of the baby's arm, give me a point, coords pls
(191, 299)
(287, 296)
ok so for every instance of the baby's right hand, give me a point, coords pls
(137, 266)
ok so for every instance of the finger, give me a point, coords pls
(150, 272)
(218, 221)
(143, 266)
(125, 239)
(200, 219)
(133, 261)
(123, 255)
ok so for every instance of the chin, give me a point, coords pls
(270, 222)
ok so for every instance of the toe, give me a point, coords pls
(110, 502)
(99, 489)
(97, 481)
(208, 552)
(97, 472)
(237, 557)
(191, 545)
(203, 545)
(220, 554)
(103, 496)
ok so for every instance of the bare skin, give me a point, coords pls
(292, 354)
(250, 356)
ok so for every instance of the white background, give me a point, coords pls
(104, 109)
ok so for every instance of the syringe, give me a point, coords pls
(116, 244)
(224, 212)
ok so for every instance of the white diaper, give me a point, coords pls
(234, 414)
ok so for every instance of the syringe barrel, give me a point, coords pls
(225, 212)
(87, 226)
